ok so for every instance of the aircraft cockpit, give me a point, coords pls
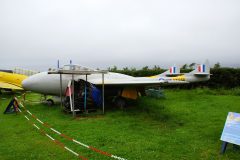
(76, 68)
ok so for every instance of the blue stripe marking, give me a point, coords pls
(203, 68)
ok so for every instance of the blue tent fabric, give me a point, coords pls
(96, 95)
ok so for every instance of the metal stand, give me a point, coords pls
(61, 90)
(103, 93)
(79, 72)
(74, 112)
(224, 147)
(85, 95)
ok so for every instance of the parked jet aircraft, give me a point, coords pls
(116, 84)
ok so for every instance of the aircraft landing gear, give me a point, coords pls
(50, 102)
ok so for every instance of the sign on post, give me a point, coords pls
(231, 131)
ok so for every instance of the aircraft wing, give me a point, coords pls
(139, 82)
(201, 74)
(9, 86)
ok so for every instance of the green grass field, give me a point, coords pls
(187, 124)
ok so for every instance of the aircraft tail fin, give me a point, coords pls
(201, 69)
(173, 71)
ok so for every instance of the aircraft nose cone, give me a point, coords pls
(26, 84)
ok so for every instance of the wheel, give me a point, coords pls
(50, 102)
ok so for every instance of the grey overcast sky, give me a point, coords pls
(34, 34)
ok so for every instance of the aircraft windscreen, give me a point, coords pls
(76, 67)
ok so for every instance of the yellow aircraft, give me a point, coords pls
(11, 81)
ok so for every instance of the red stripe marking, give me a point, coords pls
(34, 116)
(199, 68)
(83, 158)
(63, 135)
(47, 125)
(59, 143)
(69, 138)
(42, 131)
(99, 151)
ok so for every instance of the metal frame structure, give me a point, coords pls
(79, 72)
